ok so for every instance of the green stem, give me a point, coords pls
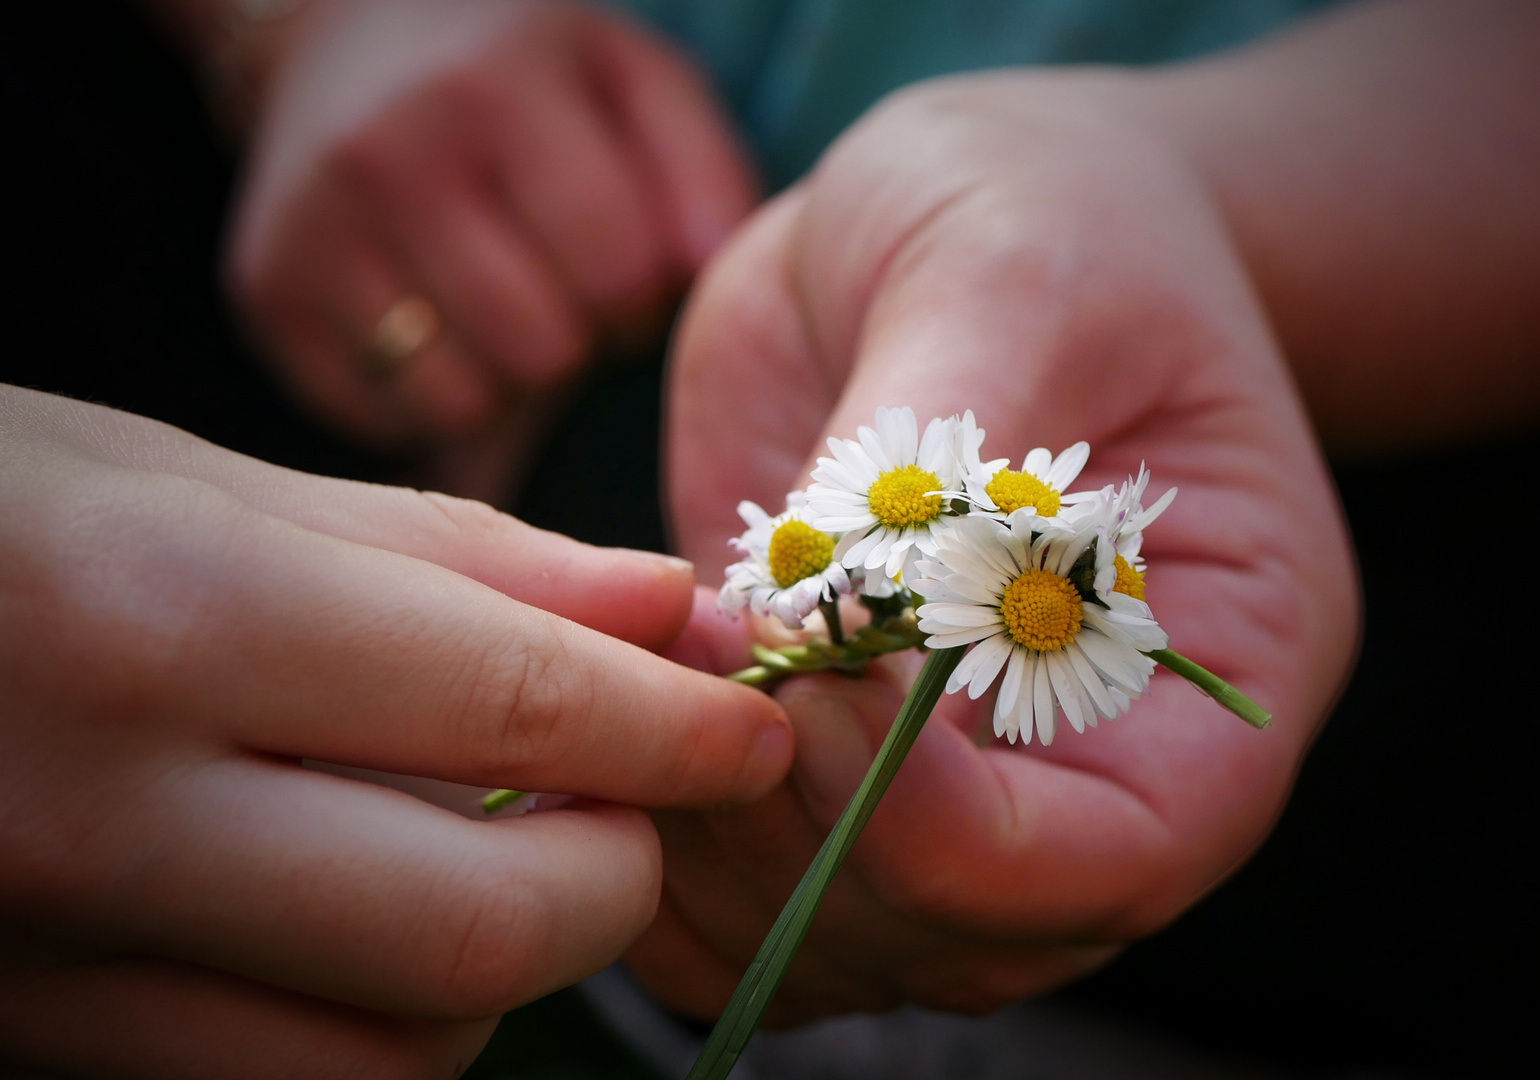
(763, 979)
(831, 618)
(499, 799)
(1214, 687)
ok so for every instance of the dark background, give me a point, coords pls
(1389, 922)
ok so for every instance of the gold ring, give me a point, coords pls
(402, 332)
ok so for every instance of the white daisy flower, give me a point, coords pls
(885, 491)
(1123, 516)
(1038, 605)
(1041, 484)
(789, 566)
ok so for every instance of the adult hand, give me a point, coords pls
(1009, 244)
(180, 626)
(533, 178)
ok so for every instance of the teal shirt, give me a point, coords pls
(796, 72)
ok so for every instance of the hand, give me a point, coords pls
(1005, 243)
(180, 626)
(545, 176)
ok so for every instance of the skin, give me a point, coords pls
(1122, 258)
(548, 175)
(180, 626)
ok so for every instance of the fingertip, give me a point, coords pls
(745, 747)
(769, 759)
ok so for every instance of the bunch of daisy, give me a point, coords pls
(1003, 576)
(1044, 583)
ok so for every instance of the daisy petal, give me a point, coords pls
(1042, 704)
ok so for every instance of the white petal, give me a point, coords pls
(992, 653)
(1023, 710)
(1143, 519)
(1067, 688)
(1038, 462)
(1101, 700)
(882, 554)
(752, 514)
(1067, 466)
(1118, 663)
(961, 615)
(876, 450)
(1010, 686)
(854, 458)
(857, 547)
(1042, 704)
(951, 638)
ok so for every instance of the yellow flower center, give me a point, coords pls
(1130, 581)
(797, 551)
(1011, 490)
(898, 497)
(1042, 611)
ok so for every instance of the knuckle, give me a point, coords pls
(468, 519)
(527, 695)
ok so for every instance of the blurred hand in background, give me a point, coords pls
(451, 207)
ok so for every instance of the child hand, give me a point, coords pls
(180, 626)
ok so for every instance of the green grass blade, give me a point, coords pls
(756, 990)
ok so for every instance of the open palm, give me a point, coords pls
(1007, 244)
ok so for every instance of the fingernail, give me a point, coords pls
(772, 753)
(673, 562)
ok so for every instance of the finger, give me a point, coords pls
(136, 1018)
(449, 390)
(636, 596)
(572, 189)
(356, 893)
(303, 645)
(316, 284)
(682, 137)
(432, 202)
(994, 841)
(742, 339)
